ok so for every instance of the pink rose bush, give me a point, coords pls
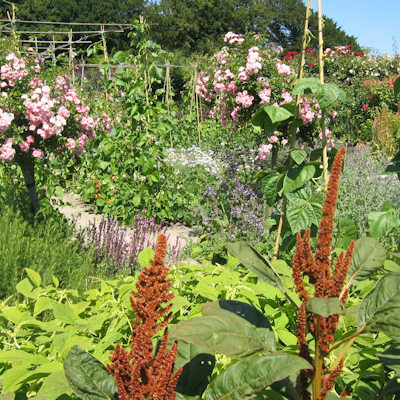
(246, 74)
(38, 116)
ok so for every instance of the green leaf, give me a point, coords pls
(380, 309)
(255, 262)
(103, 164)
(226, 334)
(269, 188)
(347, 232)
(325, 307)
(11, 356)
(197, 363)
(381, 222)
(298, 155)
(59, 192)
(277, 114)
(391, 357)
(307, 85)
(88, 378)
(296, 176)
(301, 218)
(369, 255)
(391, 388)
(145, 256)
(34, 277)
(25, 287)
(54, 385)
(248, 377)
(396, 89)
(12, 314)
(243, 310)
(42, 304)
(327, 94)
(64, 313)
(17, 376)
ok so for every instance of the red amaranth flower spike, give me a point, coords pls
(140, 374)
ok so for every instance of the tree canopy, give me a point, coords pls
(185, 25)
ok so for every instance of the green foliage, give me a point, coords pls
(50, 247)
(88, 378)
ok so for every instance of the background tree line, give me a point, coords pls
(186, 26)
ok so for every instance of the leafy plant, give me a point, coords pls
(244, 334)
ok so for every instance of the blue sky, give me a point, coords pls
(373, 23)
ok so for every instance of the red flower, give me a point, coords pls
(311, 65)
(98, 196)
(112, 176)
(113, 196)
(365, 106)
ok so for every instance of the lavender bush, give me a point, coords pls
(118, 247)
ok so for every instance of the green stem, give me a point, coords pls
(318, 362)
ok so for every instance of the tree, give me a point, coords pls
(200, 25)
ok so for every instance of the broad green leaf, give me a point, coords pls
(301, 218)
(255, 262)
(109, 340)
(269, 188)
(380, 309)
(286, 337)
(34, 277)
(42, 304)
(88, 378)
(381, 222)
(54, 385)
(327, 94)
(243, 310)
(11, 356)
(391, 388)
(247, 377)
(64, 313)
(325, 307)
(296, 176)
(226, 334)
(17, 376)
(391, 357)
(145, 256)
(25, 287)
(83, 342)
(197, 363)
(277, 114)
(298, 155)
(369, 255)
(306, 85)
(178, 302)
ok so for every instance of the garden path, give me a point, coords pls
(83, 214)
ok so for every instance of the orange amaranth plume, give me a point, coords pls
(319, 274)
(140, 374)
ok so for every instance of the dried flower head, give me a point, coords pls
(140, 374)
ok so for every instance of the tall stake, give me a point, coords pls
(321, 78)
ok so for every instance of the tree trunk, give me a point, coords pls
(28, 171)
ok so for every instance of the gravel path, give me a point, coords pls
(83, 214)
